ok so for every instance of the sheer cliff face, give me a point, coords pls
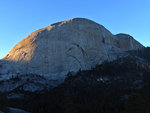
(67, 46)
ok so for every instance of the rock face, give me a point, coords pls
(66, 47)
(127, 42)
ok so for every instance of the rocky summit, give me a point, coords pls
(67, 46)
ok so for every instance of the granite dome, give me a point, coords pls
(67, 46)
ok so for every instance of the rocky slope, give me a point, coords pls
(120, 86)
(64, 47)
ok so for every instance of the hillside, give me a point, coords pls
(120, 86)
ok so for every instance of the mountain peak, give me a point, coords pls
(66, 46)
(71, 20)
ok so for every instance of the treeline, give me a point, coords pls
(121, 86)
(126, 91)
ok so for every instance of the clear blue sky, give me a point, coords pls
(18, 18)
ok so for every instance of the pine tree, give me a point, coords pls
(4, 104)
(135, 104)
